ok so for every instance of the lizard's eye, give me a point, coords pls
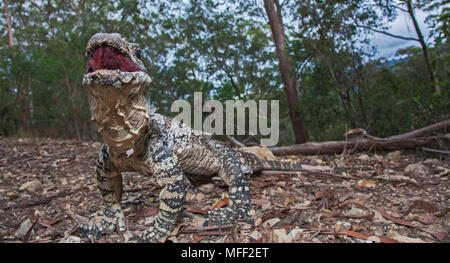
(138, 54)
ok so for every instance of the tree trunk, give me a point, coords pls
(286, 69)
(72, 106)
(431, 73)
(8, 21)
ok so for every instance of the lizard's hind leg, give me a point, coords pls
(239, 193)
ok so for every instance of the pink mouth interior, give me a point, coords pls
(106, 57)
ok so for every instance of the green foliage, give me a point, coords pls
(225, 50)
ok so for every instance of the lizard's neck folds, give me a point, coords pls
(121, 112)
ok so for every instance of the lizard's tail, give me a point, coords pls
(258, 164)
(280, 166)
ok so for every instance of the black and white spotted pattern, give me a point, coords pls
(143, 141)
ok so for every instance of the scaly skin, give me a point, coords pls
(140, 140)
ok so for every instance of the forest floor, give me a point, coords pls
(48, 186)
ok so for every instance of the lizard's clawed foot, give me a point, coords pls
(151, 235)
(226, 216)
(107, 220)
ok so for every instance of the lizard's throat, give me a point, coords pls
(121, 112)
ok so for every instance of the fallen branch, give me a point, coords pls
(436, 151)
(408, 140)
(38, 201)
(236, 142)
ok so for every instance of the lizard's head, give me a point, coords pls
(117, 81)
(113, 62)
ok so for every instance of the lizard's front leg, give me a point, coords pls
(171, 177)
(109, 182)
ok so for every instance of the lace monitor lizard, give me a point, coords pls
(137, 139)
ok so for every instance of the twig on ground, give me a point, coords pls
(436, 151)
(38, 201)
(236, 142)
(205, 228)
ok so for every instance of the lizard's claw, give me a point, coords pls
(152, 235)
(226, 216)
(107, 220)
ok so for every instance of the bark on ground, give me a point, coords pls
(47, 186)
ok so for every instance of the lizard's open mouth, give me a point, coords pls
(107, 57)
(114, 64)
